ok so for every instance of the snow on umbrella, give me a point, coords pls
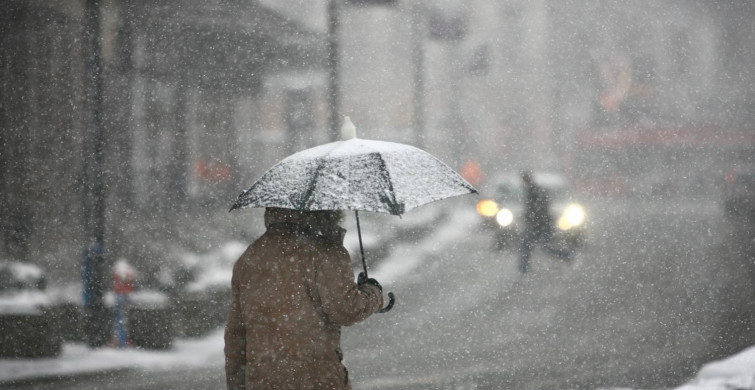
(355, 174)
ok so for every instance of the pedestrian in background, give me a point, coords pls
(123, 286)
(292, 291)
(538, 223)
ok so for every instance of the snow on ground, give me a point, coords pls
(735, 372)
(77, 358)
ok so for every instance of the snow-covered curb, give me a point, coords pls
(78, 359)
(735, 372)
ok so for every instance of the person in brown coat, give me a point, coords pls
(292, 291)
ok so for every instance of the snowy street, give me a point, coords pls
(649, 301)
(549, 194)
(637, 309)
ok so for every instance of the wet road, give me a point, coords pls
(660, 289)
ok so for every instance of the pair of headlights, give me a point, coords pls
(488, 208)
(572, 216)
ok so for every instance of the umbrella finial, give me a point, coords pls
(348, 130)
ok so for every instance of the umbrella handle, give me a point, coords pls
(361, 248)
(391, 297)
(392, 300)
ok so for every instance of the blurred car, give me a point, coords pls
(739, 195)
(501, 208)
(27, 323)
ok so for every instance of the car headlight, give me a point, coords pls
(504, 217)
(573, 216)
(487, 208)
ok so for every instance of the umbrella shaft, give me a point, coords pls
(361, 248)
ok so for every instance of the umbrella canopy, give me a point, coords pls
(356, 174)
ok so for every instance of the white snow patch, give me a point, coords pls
(77, 359)
(734, 372)
(23, 302)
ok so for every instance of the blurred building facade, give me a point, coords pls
(200, 97)
(514, 84)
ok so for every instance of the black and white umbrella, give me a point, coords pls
(356, 174)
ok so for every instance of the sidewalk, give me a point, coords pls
(735, 372)
(77, 359)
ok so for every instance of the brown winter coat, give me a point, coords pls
(292, 290)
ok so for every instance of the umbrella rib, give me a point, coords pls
(311, 185)
(396, 208)
(313, 181)
(460, 179)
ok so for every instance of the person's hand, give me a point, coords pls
(362, 279)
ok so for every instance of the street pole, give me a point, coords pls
(333, 70)
(95, 268)
(418, 65)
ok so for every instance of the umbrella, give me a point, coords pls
(355, 174)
